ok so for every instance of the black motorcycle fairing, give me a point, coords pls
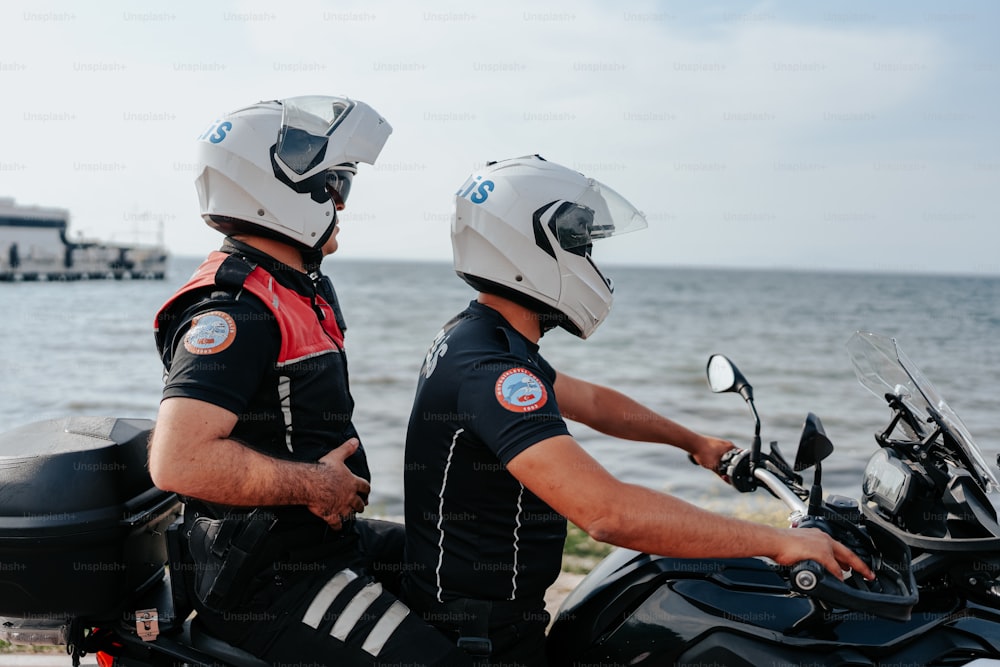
(732, 614)
(622, 581)
(954, 644)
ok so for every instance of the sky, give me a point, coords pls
(824, 135)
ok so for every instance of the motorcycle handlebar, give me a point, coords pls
(780, 490)
(893, 593)
(735, 468)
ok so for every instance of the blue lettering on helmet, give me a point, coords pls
(482, 192)
(216, 132)
(220, 132)
(477, 195)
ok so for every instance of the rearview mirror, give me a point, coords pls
(814, 445)
(723, 376)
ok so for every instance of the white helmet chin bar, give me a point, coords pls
(524, 228)
(282, 169)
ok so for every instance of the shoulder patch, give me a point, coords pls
(210, 332)
(518, 390)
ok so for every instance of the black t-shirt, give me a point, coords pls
(473, 530)
(221, 346)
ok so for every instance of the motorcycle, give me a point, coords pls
(924, 523)
(91, 555)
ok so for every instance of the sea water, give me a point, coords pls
(86, 348)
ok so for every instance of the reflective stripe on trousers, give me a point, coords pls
(348, 618)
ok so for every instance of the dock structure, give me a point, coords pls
(34, 246)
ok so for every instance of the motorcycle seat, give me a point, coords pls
(222, 650)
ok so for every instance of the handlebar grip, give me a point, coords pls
(734, 467)
(723, 460)
(810, 578)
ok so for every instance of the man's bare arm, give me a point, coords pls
(191, 453)
(566, 477)
(612, 412)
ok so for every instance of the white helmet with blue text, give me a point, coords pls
(283, 168)
(524, 228)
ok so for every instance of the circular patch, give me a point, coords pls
(210, 333)
(519, 390)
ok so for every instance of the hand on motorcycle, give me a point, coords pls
(733, 466)
(799, 544)
(338, 493)
(710, 452)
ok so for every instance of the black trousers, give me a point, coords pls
(341, 611)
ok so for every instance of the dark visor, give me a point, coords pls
(573, 226)
(338, 181)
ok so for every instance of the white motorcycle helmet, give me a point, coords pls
(524, 228)
(283, 169)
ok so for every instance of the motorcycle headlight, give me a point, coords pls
(886, 481)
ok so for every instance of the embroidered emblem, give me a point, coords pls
(519, 390)
(210, 333)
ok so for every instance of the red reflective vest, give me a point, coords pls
(294, 312)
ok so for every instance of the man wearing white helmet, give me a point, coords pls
(491, 470)
(255, 427)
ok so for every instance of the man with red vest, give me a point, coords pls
(255, 428)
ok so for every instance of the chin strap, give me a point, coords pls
(311, 259)
(324, 287)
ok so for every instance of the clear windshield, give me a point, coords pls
(883, 369)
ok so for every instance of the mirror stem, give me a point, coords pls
(755, 447)
(816, 491)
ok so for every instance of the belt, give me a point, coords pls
(479, 623)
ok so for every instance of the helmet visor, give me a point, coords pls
(338, 183)
(596, 213)
(306, 124)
